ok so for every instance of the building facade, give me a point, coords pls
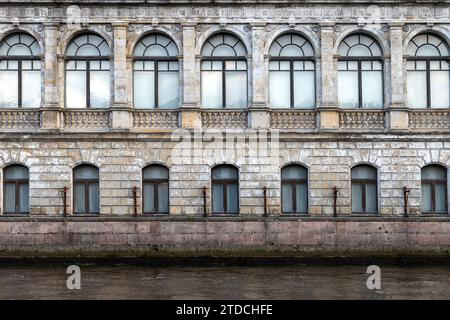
(297, 129)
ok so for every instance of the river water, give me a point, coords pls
(224, 282)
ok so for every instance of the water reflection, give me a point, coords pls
(224, 282)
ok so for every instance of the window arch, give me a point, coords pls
(20, 71)
(86, 189)
(225, 189)
(155, 72)
(155, 189)
(291, 72)
(434, 189)
(364, 189)
(360, 73)
(428, 79)
(16, 189)
(224, 72)
(294, 189)
(88, 72)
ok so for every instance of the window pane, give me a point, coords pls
(371, 198)
(8, 89)
(85, 172)
(236, 89)
(24, 198)
(293, 172)
(434, 172)
(156, 172)
(163, 197)
(211, 89)
(16, 172)
(286, 196)
(31, 89)
(149, 197)
(348, 89)
(79, 198)
(372, 89)
(364, 172)
(441, 196)
(93, 197)
(304, 86)
(100, 89)
(357, 197)
(76, 89)
(439, 89)
(10, 198)
(217, 198)
(279, 89)
(144, 89)
(426, 197)
(417, 89)
(302, 198)
(168, 90)
(232, 198)
(224, 172)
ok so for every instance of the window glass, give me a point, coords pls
(279, 89)
(211, 89)
(416, 84)
(236, 82)
(149, 197)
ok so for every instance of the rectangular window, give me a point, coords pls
(144, 89)
(31, 93)
(76, 89)
(417, 92)
(148, 194)
(348, 89)
(168, 95)
(439, 89)
(100, 89)
(372, 89)
(357, 197)
(9, 89)
(279, 86)
(236, 89)
(304, 89)
(212, 89)
(79, 198)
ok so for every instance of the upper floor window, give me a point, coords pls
(224, 72)
(86, 189)
(360, 73)
(225, 189)
(155, 73)
(434, 189)
(364, 189)
(88, 72)
(291, 73)
(294, 189)
(16, 190)
(20, 72)
(428, 72)
(155, 189)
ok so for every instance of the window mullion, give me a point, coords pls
(19, 80)
(291, 74)
(359, 84)
(428, 84)
(156, 79)
(224, 86)
(88, 84)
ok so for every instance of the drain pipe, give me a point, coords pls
(205, 214)
(406, 192)
(134, 192)
(335, 195)
(63, 192)
(265, 201)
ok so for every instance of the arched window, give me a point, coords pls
(20, 72)
(224, 72)
(291, 73)
(155, 189)
(88, 72)
(434, 189)
(364, 189)
(360, 73)
(155, 73)
(85, 189)
(294, 189)
(16, 190)
(428, 72)
(225, 189)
